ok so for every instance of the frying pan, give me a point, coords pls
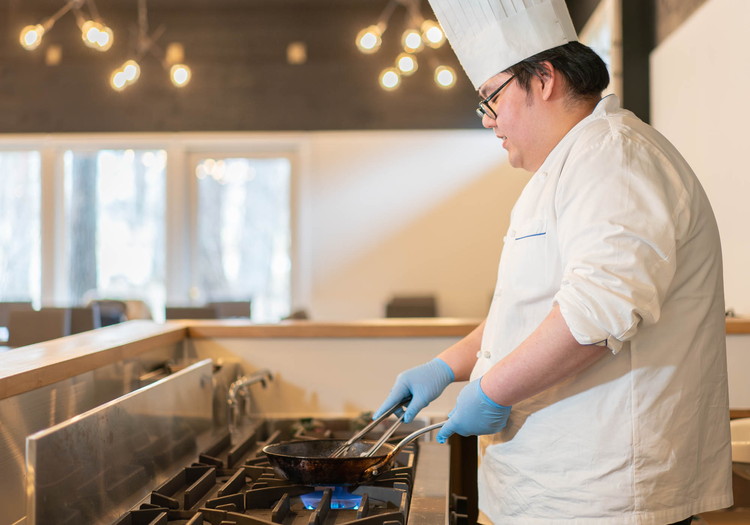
(309, 462)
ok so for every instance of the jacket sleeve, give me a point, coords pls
(620, 208)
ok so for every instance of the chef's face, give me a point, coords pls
(515, 122)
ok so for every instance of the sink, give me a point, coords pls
(740, 429)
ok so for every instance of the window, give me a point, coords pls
(243, 239)
(115, 225)
(20, 195)
(146, 218)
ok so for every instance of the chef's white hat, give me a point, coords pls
(489, 36)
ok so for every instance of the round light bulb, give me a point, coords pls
(180, 75)
(445, 77)
(389, 79)
(432, 34)
(90, 33)
(31, 36)
(104, 39)
(406, 64)
(412, 41)
(132, 70)
(118, 80)
(369, 39)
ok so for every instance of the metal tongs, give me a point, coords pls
(344, 448)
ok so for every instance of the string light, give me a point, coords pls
(127, 74)
(389, 79)
(31, 36)
(369, 39)
(94, 33)
(172, 60)
(432, 34)
(407, 64)
(180, 75)
(413, 41)
(445, 77)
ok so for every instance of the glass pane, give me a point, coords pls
(115, 207)
(244, 233)
(20, 226)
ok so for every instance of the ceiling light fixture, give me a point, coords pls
(172, 60)
(94, 32)
(421, 32)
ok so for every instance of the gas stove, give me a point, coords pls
(234, 483)
(160, 456)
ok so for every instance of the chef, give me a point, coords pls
(598, 381)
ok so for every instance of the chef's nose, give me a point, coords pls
(488, 122)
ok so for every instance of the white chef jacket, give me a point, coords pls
(616, 229)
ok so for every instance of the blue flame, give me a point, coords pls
(340, 499)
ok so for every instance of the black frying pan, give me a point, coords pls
(309, 462)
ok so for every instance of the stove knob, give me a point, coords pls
(458, 519)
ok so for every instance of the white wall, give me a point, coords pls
(699, 87)
(403, 212)
(329, 376)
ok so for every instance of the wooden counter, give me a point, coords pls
(34, 366)
(413, 327)
(42, 364)
(738, 325)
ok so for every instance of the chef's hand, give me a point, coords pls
(475, 414)
(424, 383)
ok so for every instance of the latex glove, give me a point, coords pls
(475, 414)
(424, 383)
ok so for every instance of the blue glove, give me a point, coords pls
(424, 383)
(475, 414)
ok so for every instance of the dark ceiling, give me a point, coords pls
(241, 80)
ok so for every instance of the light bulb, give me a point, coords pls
(180, 75)
(432, 34)
(369, 39)
(31, 36)
(412, 41)
(89, 33)
(132, 70)
(445, 77)
(105, 38)
(389, 79)
(96, 36)
(118, 80)
(406, 63)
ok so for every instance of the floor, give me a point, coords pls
(724, 517)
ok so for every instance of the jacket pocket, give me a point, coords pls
(535, 228)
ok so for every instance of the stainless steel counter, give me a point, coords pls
(429, 502)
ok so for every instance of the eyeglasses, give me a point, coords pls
(484, 106)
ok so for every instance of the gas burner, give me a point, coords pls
(234, 483)
(338, 496)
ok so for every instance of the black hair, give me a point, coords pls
(584, 70)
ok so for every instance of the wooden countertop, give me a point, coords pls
(34, 366)
(411, 327)
(738, 325)
(42, 364)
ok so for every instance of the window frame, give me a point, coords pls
(180, 192)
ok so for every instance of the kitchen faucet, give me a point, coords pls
(240, 388)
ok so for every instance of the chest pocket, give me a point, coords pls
(526, 259)
(535, 228)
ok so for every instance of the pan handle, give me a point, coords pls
(375, 469)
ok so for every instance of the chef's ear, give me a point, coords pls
(547, 78)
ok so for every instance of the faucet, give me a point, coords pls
(239, 387)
